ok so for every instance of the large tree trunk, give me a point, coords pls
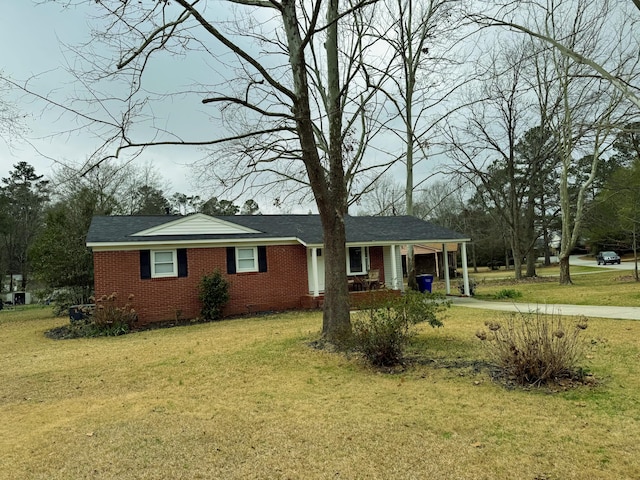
(336, 322)
(565, 277)
(328, 185)
(332, 203)
(531, 263)
(517, 258)
(517, 266)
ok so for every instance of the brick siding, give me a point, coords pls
(281, 287)
(376, 260)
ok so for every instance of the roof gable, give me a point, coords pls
(198, 224)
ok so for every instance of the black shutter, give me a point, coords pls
(182, 262)
(145, 263)
(262, 259)
(231, 260)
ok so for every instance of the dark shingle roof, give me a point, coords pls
(307, 228)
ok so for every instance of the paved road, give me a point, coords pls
(631, 313)
(583, 260)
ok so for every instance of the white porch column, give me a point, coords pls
(314, 272)
(394, 281)
(447, 280)
(465, 270)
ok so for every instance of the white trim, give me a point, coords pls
(230, 242)
(254, 268)
(388, 243)
(197, 224)
(158, 244)
(445, 258)
(314, 272)
(394, 269)
(174, 264)
(465, 269)
(364, 260)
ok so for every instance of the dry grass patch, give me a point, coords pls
(248, 399)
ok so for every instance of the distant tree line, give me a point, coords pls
(612, 209)
(44, 223)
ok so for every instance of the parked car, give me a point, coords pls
(608, 257)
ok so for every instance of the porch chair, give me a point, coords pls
(373, 279)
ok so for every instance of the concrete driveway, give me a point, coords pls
(589, 311)
(628, 313)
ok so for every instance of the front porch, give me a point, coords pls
(371, 267)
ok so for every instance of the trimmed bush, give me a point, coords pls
(213, 292)
(382, 330)
(534, 348)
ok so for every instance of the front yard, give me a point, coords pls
(247, 398)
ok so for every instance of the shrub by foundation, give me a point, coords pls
(111, 319)
(213, 292)
(108, 318)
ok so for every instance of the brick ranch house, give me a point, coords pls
(272, 262)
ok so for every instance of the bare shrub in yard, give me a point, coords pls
(382, 330)
(534, 348)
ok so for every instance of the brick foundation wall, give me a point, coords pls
(281, 287)
(356, 299)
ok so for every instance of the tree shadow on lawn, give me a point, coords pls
(446, 352)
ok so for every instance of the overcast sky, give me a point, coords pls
(35, 49)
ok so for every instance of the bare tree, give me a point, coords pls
(485, 148)
(590, 109)
(421, 36)
(288, 83)
(502, 19)
(384, 198)
(441, 202)
(11, 120)
(588, 76)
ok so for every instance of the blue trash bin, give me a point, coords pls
(425, 282)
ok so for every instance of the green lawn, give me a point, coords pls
(247, 398)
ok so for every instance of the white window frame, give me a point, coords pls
(255, 266)
(174, 262)
(364, 253)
